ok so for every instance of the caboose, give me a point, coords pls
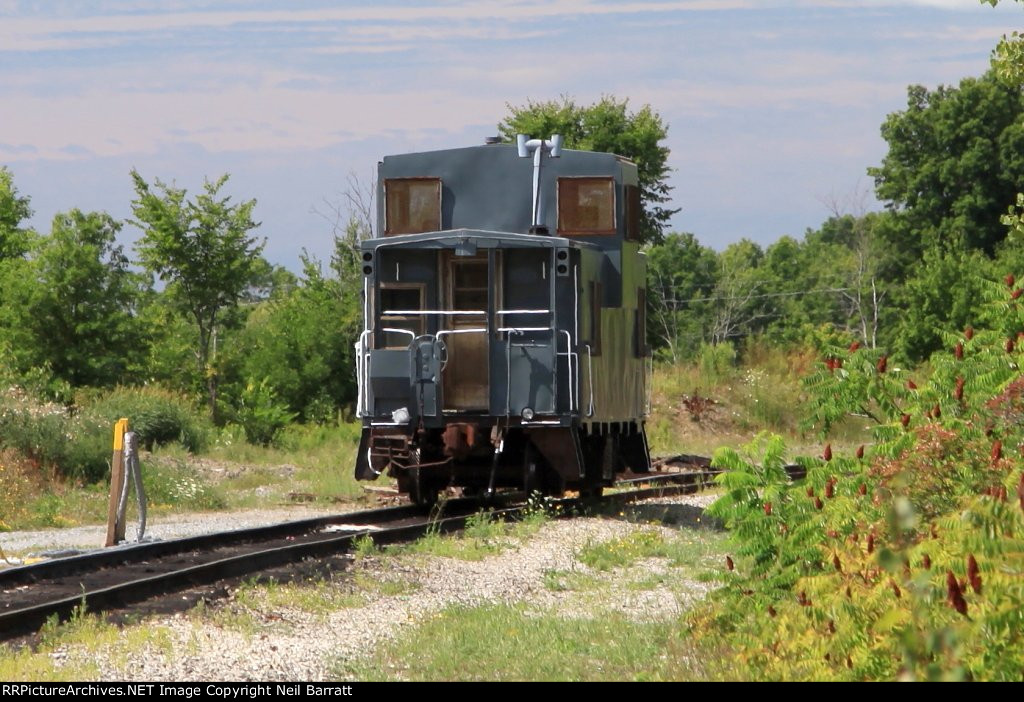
(504, 340)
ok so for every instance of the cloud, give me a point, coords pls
(35, 33)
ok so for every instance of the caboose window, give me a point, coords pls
(396, 302)
(413, 205)
(586, 206)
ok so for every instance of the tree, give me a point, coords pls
(14, 241)
(79, 302)
(299, 345)
(1008, 56)
(606, 126)
(740, 303)
(681, 273)
(955, 161)
(202, 250)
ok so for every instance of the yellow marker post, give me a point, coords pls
(115, 531)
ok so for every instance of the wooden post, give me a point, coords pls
(115, 531)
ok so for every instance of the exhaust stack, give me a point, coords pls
(537, 148)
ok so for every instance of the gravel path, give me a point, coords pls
(29, 543)
(291, 644)
(281, 643)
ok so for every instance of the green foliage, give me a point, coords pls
(72, 446)
(904, 560)
(301, 343)
(607, 126)
(13, 210)
(512, 642)
(156, 415)
(202, 249)
(261, 414)
(944, 290)
(954, 163)
(179, 486)
(71, 305)
(1008, 56)
(681, 274)
(623, 551)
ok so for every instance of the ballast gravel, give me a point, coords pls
(291, 644)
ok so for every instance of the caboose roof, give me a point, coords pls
(453, 238)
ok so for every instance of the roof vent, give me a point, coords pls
(491, 140)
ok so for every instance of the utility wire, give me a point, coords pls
(763, 295)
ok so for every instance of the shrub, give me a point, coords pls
(157, 416)
(260, 413)
(904, 559)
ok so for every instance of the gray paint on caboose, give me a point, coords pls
(486, 196)
(490, 187)
(541, 378)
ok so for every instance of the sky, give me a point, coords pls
(773, 106)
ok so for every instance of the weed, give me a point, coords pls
(513, 642)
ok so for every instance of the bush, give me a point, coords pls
(260, 413)
(156, 415)
(904, 559)
(46, 433)
(78, 445)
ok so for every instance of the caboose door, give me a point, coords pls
(466, 379)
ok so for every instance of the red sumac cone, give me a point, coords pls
(827, 453)
(969, 333)
(997, 450)
(911, 385)
(954, 595)
(854, 346)
(1008, 346)
(958, 391)
(862, 490)
(896, 589)
(958, 351)
(830, 488)
(728, 563)
(1020, 492)
(926, 562)
(831, 627)
(771, 611)
(837, 564)
(818, 504)
(1009, 280)
(871, 543)
(936, 411)
(905, 420)
(973, 575)
(860, 452)
(882, 364)
(1016, 293)
(768, 508)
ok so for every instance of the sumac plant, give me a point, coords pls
(903, 559)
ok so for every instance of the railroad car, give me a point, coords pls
(503, 342)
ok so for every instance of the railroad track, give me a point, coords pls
(119, 577)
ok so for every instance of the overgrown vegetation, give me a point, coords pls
(903, 558)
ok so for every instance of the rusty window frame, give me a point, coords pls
(572, 228)
(393, 224)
